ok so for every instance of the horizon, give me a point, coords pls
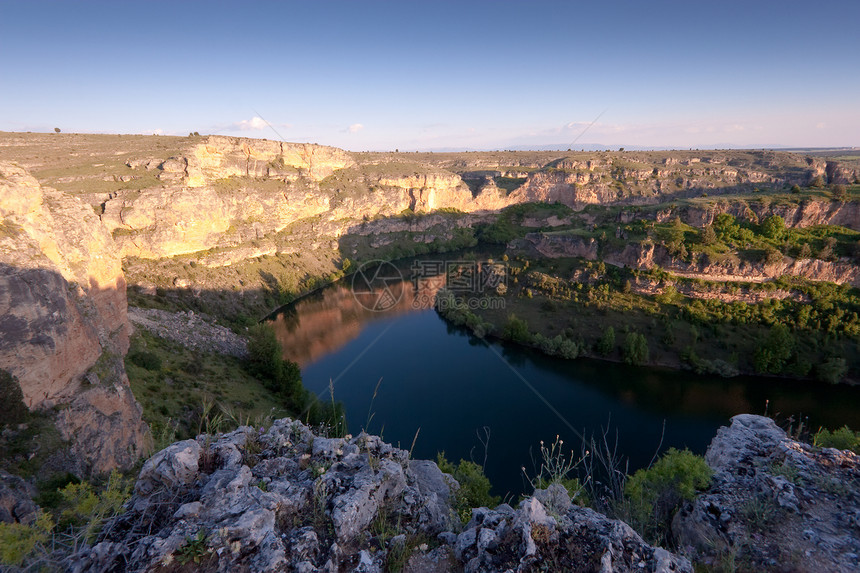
(376, 76)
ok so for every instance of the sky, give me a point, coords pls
(436, 75)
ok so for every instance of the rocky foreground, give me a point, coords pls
(284, 498)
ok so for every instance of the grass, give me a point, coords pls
(174, 381)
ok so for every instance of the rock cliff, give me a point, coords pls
(774, 503)
(63, 321)
(284, 498)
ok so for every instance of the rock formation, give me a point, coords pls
(774, 503)
(63, 321)
(286, 499)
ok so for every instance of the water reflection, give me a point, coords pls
(326, 320)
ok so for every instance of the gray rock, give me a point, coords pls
(789, 497)
(16, 500)
(312, 504)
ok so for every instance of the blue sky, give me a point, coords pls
(433, 75)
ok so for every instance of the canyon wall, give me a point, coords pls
(63, 321)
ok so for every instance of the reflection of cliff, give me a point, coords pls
(327, 320)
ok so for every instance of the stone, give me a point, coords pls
(16, 500)
(799, 520)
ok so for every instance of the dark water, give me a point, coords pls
(447, 385)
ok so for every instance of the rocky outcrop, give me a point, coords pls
(554, 246)
(647, 255)
(194, 331)
(286, 499)
(63, 320)
(774, 502)
(16, 500)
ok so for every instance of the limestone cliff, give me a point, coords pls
(63, 320)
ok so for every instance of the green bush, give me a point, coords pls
(517, 330)
(773, 354)
(635, 349)
(18, 541)
(832, 369)
(474, 488)
(606, 344)
(773, 227)
(841, 439)
(265, 361)
(146, 359)
(653, 495)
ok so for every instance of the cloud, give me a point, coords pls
(256, 123)
(355, 128)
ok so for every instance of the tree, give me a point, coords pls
(606, 344)
(635, 349)
(708, 236)
(773, 354)
(839, 192)
(773, 227)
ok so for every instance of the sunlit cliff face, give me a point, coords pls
(325, 321)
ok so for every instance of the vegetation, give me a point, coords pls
(842, 439)
(65, 522)
(653, 495)
(474, 488)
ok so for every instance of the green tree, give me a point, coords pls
(707, 235)
(635, 349)
(773, 227)
(517, 330)
(606, 344)
(726, 227)
(12, 408)
(774, 352)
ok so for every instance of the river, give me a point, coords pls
(403, 372)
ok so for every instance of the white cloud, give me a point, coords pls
(256, 123)
(355, 128)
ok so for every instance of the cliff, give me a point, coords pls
(774, 503)
(63, 321)
(284, 498)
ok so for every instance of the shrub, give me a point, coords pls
(18, 541)
(841, 439)
(635, 349)
(773, 227)
(840, 192)
(606, 344)
(517, 330)
(265, 361)
(146, 359)
(772, 355)
(653, 495)
(474, 490)
(832, 370)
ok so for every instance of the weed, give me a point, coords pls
(760, 513)
(556, 467)
(194, 550)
